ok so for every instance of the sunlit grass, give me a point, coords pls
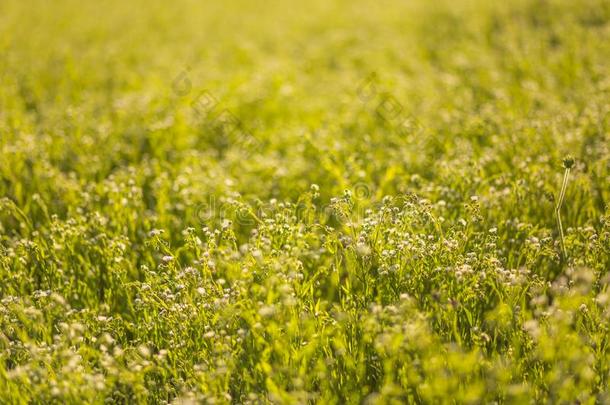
(294, 202)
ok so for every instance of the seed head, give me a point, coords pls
(568, 162)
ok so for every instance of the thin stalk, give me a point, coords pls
(562, 194)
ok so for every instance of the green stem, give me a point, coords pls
(562, 194)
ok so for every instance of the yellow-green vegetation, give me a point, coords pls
(304, 202)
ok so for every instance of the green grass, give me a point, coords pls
(304, 202)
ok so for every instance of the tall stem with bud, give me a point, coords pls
(568, 163)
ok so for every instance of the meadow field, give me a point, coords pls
(330, 201)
